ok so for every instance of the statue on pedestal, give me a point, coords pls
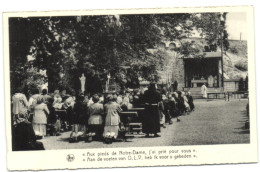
(82, 82)
(210, 81)
(107, 82)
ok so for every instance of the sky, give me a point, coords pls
(236, 24)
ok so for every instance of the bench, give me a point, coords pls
(134, 120)
(128, 119)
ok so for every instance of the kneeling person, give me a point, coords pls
(95, 121)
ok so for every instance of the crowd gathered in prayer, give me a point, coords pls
(93, 117)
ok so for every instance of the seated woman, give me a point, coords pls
(125, 102)
(57, 103)
(186, 104)
(112, 119)
(95, 121)
(190, 101)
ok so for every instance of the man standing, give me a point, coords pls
(204, 91)
(151, 119)
(175, 86)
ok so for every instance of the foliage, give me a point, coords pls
(212, 27)
(31, 36)
(233, 50)
(188, 49)
(34, 79)
(120, 45)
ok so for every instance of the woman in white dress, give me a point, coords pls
(40, 117)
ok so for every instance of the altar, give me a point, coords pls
(196, 82)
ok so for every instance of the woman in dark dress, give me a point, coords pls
(79, 117)
(181, 104)
(151, 119)
(166, 105)
(190, 101)
(172, 107)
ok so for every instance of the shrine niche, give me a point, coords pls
(206, 69)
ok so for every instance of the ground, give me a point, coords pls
(212, 122)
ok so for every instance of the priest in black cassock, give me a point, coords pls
(151, 119)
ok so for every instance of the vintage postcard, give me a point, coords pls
(129, 88)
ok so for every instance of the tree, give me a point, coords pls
(22, 33)
(212, 27)
(97, 45)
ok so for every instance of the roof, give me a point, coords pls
(205, 55)
(211, 54)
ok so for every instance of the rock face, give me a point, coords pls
(173, 69)
(234, 62)
(235, 66)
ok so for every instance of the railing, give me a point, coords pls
(228, 95)
(237, 95)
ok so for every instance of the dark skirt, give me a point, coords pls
(175, 113)
(98, 129)
(23, 137)
(77, 118)
(151, 119)
(191, 105)
(62, 115)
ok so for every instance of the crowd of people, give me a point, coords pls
(92, 117)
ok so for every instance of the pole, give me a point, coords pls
(222, 36)
(222, 71)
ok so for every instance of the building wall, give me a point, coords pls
(173, 70)
(179, 71)
(231, 85)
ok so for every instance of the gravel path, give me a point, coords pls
(213, 122)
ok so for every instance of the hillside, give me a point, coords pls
(235, 59)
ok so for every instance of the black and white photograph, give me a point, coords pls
(129, 80)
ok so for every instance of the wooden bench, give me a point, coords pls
(129, 120)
